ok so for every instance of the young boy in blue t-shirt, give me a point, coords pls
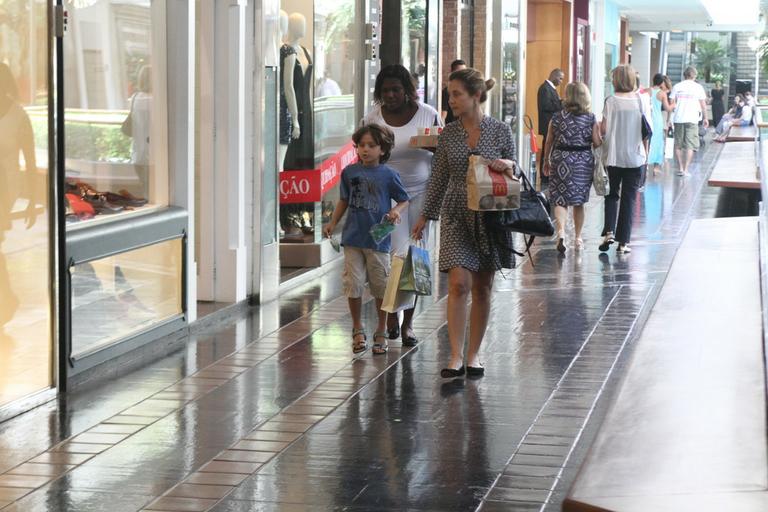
(368, 188)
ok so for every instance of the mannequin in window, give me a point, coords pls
(289, 113)
(300, 154)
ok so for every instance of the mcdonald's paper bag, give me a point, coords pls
(395, 299)
(488, 190)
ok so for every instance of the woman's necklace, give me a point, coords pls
(472, 134)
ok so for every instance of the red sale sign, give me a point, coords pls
(299, 186)
(310, 185)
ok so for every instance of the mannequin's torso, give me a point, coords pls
(301, 55)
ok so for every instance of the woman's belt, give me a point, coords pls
(562, 147)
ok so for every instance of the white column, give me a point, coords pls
(230, 282)
(181, 128)
(641, 57)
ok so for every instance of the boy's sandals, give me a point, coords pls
(358, 345)
(380, 348)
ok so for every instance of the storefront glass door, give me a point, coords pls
(25, 231)
(325, 49)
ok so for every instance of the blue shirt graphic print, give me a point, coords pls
(369, 192)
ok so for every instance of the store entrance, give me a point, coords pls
(26, 339)
(323, 72)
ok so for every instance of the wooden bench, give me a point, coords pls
(742, 134)
(687, 427)
(736, 167)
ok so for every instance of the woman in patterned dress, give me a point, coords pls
(569, 161)
(468, 252)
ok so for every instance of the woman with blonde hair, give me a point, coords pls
(624, 153)
(569, 161)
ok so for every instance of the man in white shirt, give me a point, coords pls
(690, 106)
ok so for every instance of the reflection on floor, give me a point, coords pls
(207, 307)
(287, 273)
(274, 412)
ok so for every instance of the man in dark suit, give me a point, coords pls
(548, 102)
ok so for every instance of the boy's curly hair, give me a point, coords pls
(381, 135)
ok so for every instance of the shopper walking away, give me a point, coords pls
(690, 107)
(569, 161)
(659, 104)
(446, 112)
(467, 251)
(624, 153)
(399, 109)
(368, 188)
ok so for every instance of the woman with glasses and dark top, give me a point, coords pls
(624, 154)
(468, 252)
(569, 161)
(399, 109)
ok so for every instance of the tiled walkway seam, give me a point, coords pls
(203, 489)
(76, 450)
(537, 464)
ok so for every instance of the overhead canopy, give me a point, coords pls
(693, 15)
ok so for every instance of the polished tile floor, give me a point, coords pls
(272, 412)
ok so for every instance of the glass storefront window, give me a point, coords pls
(510, 39)
(116, 118)
(321, 44)
(25, 259)
(414, 42)
(120, 295)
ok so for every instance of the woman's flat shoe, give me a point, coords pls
(450, 373)
(561, 245)
(408, 339)
(475, 371)
(394, 333)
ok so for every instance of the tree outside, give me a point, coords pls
(709, 58)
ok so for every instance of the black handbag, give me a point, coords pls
(532, 218)
(645, 126)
